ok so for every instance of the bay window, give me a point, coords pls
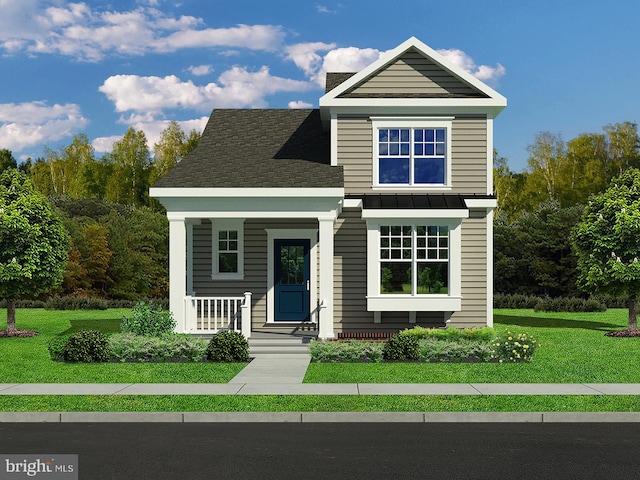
(414, 259)
(414, 264)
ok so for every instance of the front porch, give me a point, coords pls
(210, 315)
(245, 263)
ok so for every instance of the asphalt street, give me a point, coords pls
(335, 450)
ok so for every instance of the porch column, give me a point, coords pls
(325, 327)
(177, 270)
(190, 222)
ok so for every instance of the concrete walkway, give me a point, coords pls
(274, 368)
(264, 387)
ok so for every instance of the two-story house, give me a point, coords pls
(373, 212)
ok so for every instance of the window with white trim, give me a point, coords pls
(414, 259)
(228, 249)
(412, 152)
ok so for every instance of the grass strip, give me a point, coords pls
(26, 360)
(319, 403)
(573, 349)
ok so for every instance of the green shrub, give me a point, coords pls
(75, 303)
(87, 346)
(570, 304)
(434, 350)
(350, 351)
(512, 347)
(148, 318)
(56, 347)
(126, 346)
(451, 333)
(401, 347)
(24, 303)
(228, 347)
(515, 301)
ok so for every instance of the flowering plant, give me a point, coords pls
(513, 347)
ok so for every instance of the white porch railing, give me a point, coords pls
(206, 315)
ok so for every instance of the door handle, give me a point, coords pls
(308, 284)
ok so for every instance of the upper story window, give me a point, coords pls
(412, 152)
(228, 249)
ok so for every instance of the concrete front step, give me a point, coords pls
(278, 346)
(278, 350)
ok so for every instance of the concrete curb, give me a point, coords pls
(320, 417)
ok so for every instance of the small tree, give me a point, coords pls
(33, 242)
(607, 242)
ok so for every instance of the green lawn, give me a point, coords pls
(319, 403)
(26, 360)
(573, 350)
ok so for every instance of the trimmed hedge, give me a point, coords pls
(81, 303)
(451, 333)
(87, 346)
(559, 304)
(228, 347)
(401, 347)
(569, 305)
(175, 346)
(346, 351)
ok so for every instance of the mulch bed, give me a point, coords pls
(623, 333)
(18, 333)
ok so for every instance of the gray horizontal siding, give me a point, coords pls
(413, 75)
(350, 283)
(255, 263)
(350, 280)
(474, 272)
(468, 154)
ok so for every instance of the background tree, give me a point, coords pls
(130, 163)
(622, 146)
(607, 242)
(33, 242)
(533, 256)
(546, 158)
(173, 146)
(7, 160)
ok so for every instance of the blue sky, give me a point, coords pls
(99, 67)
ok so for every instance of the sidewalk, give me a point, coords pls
(284, 374)
(267, 388)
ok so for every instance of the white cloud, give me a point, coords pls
(305, 56)
(481, 72)
(353, 59)
(350, 59)
(31, 124)
(200, 70)
(77, 30)
(236, 88)
(300, 104)
(105, 144)
(323, 9)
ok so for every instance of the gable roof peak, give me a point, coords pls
(491, 97)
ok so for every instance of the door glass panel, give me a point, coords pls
(292, 265)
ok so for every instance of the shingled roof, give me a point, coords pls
(274, 148)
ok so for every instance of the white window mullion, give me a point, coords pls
(414, 256)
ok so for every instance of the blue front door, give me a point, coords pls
(292, 280)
